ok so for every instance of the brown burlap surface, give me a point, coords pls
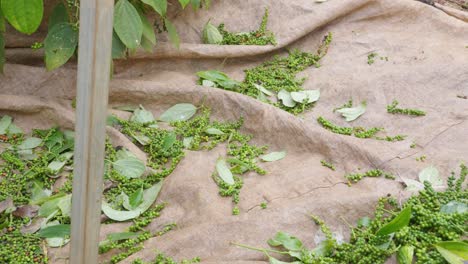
(427, 68)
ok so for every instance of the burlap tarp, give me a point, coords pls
(427, 68)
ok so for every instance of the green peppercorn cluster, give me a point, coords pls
(19, 173)
(16, 247)
(359, 132)
(348, 104)
(196, 130)
(372, 56)
(242, 156)
(392, 109)
(355, 177)
(328, 164)
(280, 74)
(261, 36)
(428, 223)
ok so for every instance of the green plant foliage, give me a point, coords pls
(277, 76)
(400, 221)
(148, 30)
(211, 34)
(184, 3)
(2, 21)
(178, 112)
(392, 109)
(274, 156)
(160, 6)
(119, 49)
(132, 28)
(224, 172)
(405, 255)
(127, 24)
(172, 31)
(455, 252)
(60, 45)
(213, 78)
(415, 231)
(55, 231)
(59, 15)
(352, 113)
(24, 15)
(359, 132)
(261, 36)
(2, 52)
(148, 198)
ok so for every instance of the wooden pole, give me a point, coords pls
(94, 58)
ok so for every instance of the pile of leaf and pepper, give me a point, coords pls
(36, 172)
(429, 228)
(274, 81)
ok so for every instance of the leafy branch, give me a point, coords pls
(132, 28)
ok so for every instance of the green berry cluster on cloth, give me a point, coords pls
(393, 109)
(26, 173)
(417, 225)
(328, 165)
(16, 247)
(280, 74)
(359, 132)
(355, 177)
(261, 36)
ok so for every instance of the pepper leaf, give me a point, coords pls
(287, 241)
(4, 124)
(62, 230)
(214, 131)
(142, 116)
(431, 174)
(286, 98)
(412, 185)
(454, 207)
(30, 143)
(224, 172)
(2, 51)
(455, 252)
(60, 45)
(211, 34)
(38, 192)
(127, 24)
(184, 3)
(149, 196)
(263, 90)
(24, 15)
(405, 255)
(131, 202)
(160, 6)
(148, 30)
(299, 97)
(129, 167)
(400, 221)
(178, 112)
(118, 48)
(172, 31)
(59, 15)
(312, 95)
(352, 113)
(274, 156)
